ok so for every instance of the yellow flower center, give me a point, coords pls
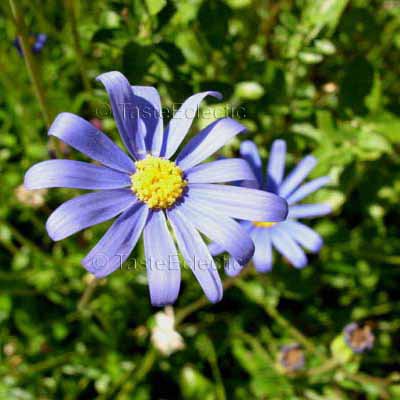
(157, 182)
(263, 224)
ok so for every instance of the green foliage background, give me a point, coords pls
(321, 74)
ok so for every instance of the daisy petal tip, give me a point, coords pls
(317, 246)
(161, 298)
(264, 269)
(248, 256)
(61, 119)
(326, 179)
(326, 209)
(52, 232)
(282, 210)
(312, 160)
(240, 127)
(215, 297)
(161, 303)
(217, 95)
(279, 145)
(27, 184)
(232, 271)
(90, 265)
(300, 264)
(29, 179)
(108, 74)
(246, 144)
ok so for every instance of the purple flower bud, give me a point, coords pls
(358, 338)
(37, 42)
(292, 357)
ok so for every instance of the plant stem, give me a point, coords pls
(284, 323)
(203, 301)
(30, 61)
(327, 366)
(87, 294)
(71, 14)
(138, 374)
(220, 392)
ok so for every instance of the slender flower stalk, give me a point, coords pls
(30, 61)
(71, 14)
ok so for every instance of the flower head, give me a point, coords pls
(37, 42)
(154, 191)
(358, 338)
(158, 182)
(31, 198)
(291, 357)
(287, 236)
(164, 336)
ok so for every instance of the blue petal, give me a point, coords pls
(84, 137)
(117, 244)
(148, 102)
(249, 151)
(233, 268)
(276, 165)
(306, 189)
(208, 141)
(262, 258)
(219, 228)
(162, 262)
(182, 121)
(215, 249)
(196, 255)
(238, 202)
(125, 110)
(304, 235)
(88, 210)
(294, 179)
(309, 210)
(288, 247)
(228, 170)
(74, 174)
(40, 41)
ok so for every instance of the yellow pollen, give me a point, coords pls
(263, 224)
(157, 182)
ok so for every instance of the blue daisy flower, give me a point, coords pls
(36, 41)
(288, 236)
(152, 193)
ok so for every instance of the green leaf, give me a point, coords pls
(5, 307)
(356, 85)
(213, 17)
(325, 46)
(155, 6)
(136, 60)
(340, 350)
(249, 90)
(194, 385)
(309, 57)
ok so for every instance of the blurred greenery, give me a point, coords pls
(321, 74)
